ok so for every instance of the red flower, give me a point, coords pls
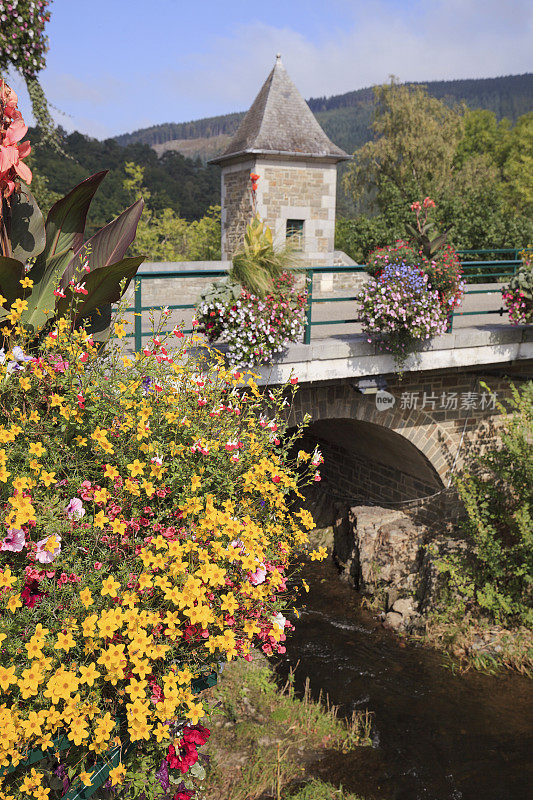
(254, 177)
(184, 759)
(197, 735)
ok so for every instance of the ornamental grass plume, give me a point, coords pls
(136, 522)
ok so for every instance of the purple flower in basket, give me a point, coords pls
(162, 775)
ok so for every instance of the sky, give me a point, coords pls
(115, 66)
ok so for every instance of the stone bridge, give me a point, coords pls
(401, 446)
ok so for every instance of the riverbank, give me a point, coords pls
(267, 744)
(437, 733)
(467, 640)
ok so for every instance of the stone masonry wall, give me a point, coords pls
(286, 190)
(236, 205)
(300, 190)
(454, 425)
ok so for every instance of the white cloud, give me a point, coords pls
(438, 40)
(361, 44)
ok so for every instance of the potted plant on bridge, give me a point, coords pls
(414, 288)
(518, 295)
(259, 308)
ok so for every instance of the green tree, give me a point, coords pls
(498, 499)
(163, 235)
(518, 166)
(414, 147)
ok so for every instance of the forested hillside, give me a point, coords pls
(173, 181)
(346, 117)
(182, 187)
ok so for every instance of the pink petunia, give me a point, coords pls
(75, 509)
(48, 549)
(14, 541)
(258, 576)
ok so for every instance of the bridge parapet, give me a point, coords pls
(354, 357)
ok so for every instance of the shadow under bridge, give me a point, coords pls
(368, 464)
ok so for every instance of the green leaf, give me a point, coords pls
(65, 223)
(42, 302)
(103, 287)
(27, 234)
(98, 323)
(11, 273)
(107, 246)
(437, 243)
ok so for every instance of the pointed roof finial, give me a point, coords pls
(278, 56)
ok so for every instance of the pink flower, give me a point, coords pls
(48, 549)
(258, 576)
(14, 541)
(11, 152)
(75, 509)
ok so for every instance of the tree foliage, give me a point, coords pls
(498, 498)
(186, 187)
(164, 235)
(478, 170)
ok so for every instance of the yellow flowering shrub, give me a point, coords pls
(148, 521)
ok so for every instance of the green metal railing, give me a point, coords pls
(475, 270)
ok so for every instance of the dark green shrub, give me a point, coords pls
(497, 576)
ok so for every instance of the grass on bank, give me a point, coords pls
(265, 740)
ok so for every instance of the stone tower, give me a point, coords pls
(280, 140)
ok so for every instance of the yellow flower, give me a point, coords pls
(86, 597)
(229, 602)
(161, 732)
(14, 602)
(101, 496)
(148, 487)
(195, 712)
(100, 520)
(89, 674)
(65, 641)
(85, 778)
(7, 677)
(120, 331)
(19, 306)
(51, 544)
(110, 587)
(26, 283)
(48, 478)
(136, 468)
(318, 555)
(111, 472)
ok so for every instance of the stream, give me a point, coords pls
(437, 735)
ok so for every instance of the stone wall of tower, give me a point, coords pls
(236, 203)
(302, 190)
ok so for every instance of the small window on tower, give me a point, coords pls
(295, 232)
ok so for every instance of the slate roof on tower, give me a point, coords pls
(280, 122)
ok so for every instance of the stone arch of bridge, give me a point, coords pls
(426, 442)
